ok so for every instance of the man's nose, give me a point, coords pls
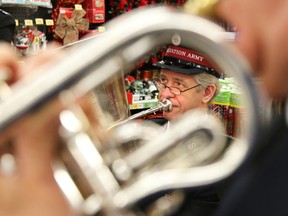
(166, 93)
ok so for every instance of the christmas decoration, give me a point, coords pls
(68, 28)
(118, 7)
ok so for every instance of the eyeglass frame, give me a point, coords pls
(169, 87)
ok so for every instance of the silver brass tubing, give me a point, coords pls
(164, 105)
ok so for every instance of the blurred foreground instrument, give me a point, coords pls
(112, 175)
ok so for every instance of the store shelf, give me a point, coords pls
(143, 104)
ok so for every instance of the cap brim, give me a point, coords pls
(178, 69)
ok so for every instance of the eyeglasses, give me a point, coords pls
(173, 90)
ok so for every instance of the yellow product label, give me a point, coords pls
(28, 22)
(39, 21)
(101, 28)
(78, 7)
(49, 22)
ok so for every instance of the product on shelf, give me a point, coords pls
(227, 106)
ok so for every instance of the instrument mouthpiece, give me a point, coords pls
(166, 105)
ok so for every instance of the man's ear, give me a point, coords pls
(208, 93)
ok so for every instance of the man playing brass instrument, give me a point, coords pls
(262, 186)
(189, 81)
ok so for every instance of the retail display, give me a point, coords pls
(29, 39)
(38, 3)
(228, 106)
(70, 20)
(142, 89)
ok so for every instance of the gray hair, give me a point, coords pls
(205, 80)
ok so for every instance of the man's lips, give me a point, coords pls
(172, 108)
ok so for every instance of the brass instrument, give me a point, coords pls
(110, 177)
(164, 105)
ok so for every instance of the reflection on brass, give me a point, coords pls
(110, 98)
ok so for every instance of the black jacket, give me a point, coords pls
(260, 186)
(200, 201)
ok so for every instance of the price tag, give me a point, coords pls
(101, 28)
(78, 7)
(28, 22)
(98, 3)
(49, 22)
(39, 21)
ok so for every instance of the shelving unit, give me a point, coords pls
(144, 104)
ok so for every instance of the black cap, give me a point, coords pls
(187, 61)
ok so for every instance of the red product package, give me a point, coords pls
(95, 10)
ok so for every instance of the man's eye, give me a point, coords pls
(163, 80)
(179, 84)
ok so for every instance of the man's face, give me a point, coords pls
(186, 100)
